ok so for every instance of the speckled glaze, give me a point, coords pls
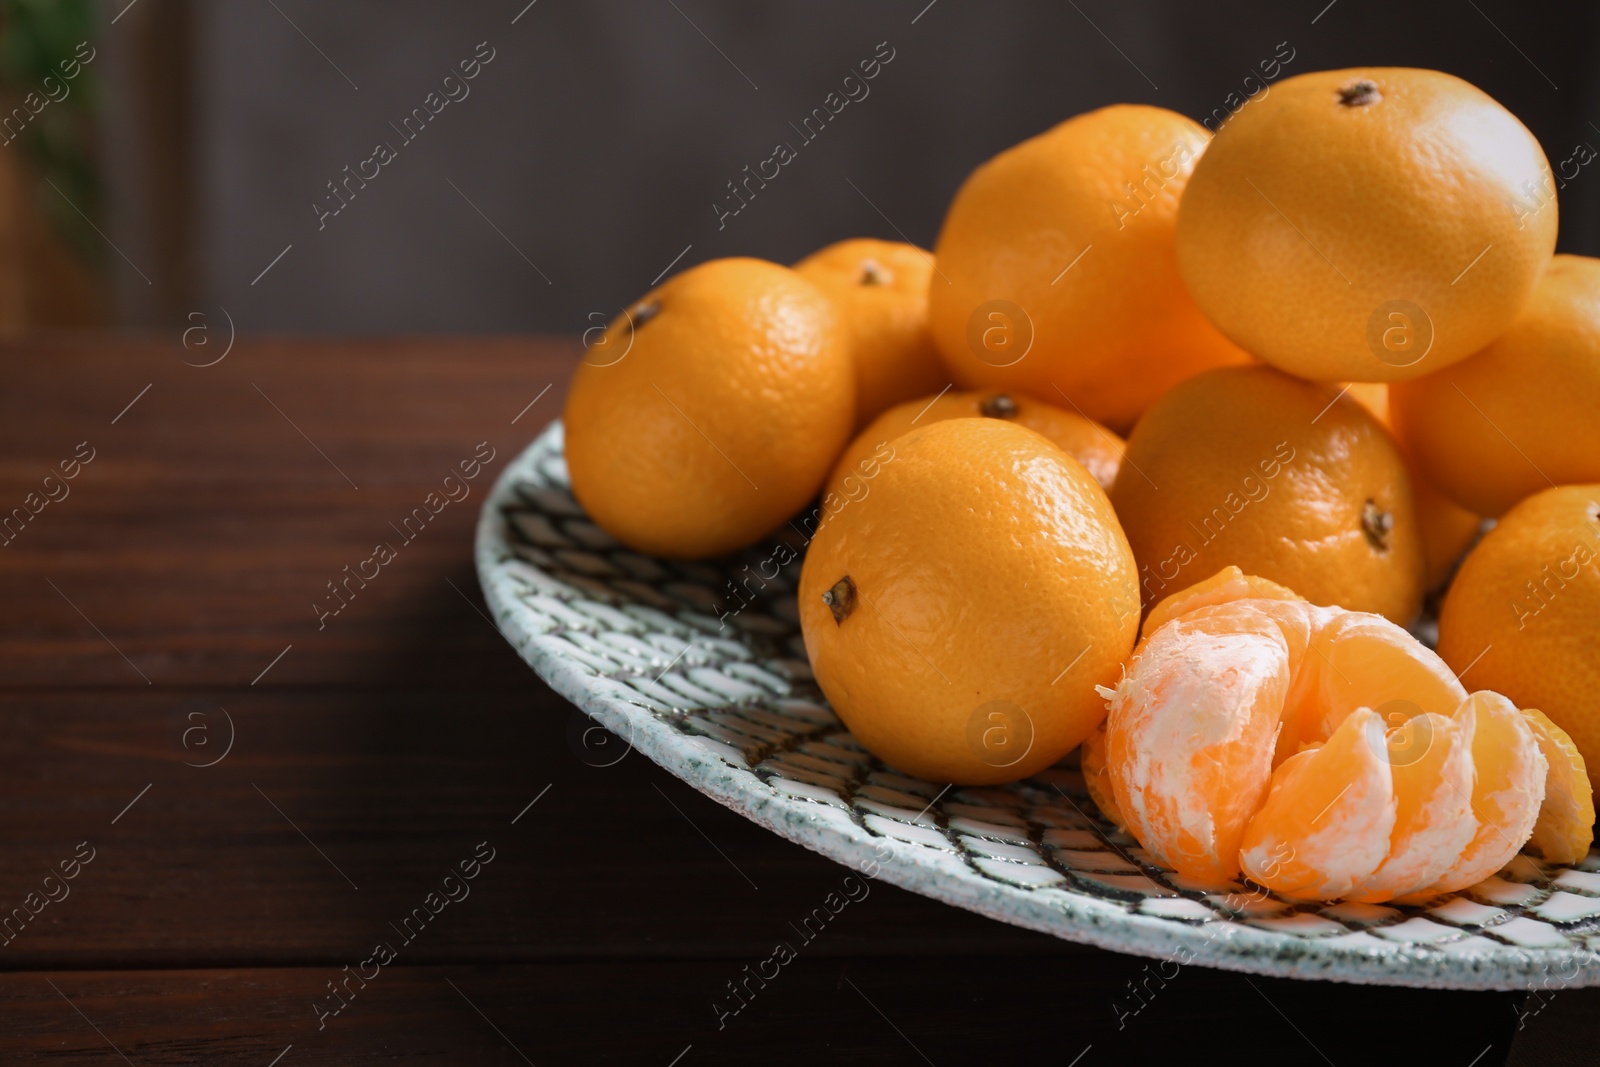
(731, 708)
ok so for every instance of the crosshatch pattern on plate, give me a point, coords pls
(645, 634)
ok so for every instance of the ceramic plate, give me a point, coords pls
(731, 708)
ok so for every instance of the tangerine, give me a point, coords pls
(959, 616)
(880, 289)
(1523, 614)
(1085, 440)
(1447, 528)
(1283, 478)
(1370, 224)
(711, 411)
(1519, 415)
(1056, 269)
(1325, 753)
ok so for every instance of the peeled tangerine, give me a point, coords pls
(1326, 753)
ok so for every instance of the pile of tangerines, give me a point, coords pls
(1338, 343)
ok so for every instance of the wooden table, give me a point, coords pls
(158, 616)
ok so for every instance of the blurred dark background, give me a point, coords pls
(588, 153)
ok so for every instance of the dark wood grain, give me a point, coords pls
(383, 748)
(209, 522)
(395, 789)
(993, 1010)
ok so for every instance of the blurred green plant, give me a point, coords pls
(36, 38)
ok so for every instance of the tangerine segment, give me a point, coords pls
(1325, 827)
(1507, 793)
(1362, 660)
(1092, 762)
(1191, 732)
(1430, 760)
(1225, 586)
(1565, 829)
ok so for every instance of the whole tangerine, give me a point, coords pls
(1085, 440)
(1283, 478)
(959, 617)
(1523, 614)
(1518, 416)
(1369, 224)
(1056, 268)
(711, 410)
(880, 289)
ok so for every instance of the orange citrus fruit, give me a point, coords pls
(711, 411)
(880, 289)
(1447, 528)
(1285, 479)
(1325, 753)
(1371, 224)
(1508, 779)
(1431, 765)
(959, 616)
(1523, 614)
(1093, 766)
(1518, 416)
(1326, 822)
(1566, 822)
(1085, 440)
(1056, 270)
